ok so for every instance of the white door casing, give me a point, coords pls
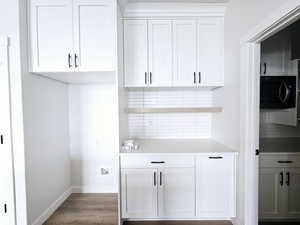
(7, 203)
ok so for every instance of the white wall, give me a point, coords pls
(94, 136)
(46, 143)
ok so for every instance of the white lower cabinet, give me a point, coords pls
(178, 187)
(215, 185)
(152, 193)
(139, 193)
(279, 187)
(176, 193)
(292, 192)
(270, 193)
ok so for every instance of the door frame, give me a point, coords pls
(6, 135)
(249, 107)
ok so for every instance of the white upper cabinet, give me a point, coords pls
(136, 53)
(94, 35)
(210, 52)
(51, 35)
(72, 36)
(174, 53)
(160, 53)
(185, 52)
(148, 53)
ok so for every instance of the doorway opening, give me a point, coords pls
(279, 130)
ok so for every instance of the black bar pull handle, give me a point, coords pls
(150, 77)
(194, 77)
(158, 162)
(215, 157)
(286, 162)
(160, 178)
(70, 60)
(5, 208)
(76, 61)
(145, 77)
(154, 179)
(1, 139)
(281, 178)
(199, 77)
(287, 178)
(265, 68)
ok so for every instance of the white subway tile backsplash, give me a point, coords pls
(169, 125)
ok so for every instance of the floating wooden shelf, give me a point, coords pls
(174, 110)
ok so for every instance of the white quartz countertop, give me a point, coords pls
(180, 146)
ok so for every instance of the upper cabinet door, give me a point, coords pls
(136, 53)
(215, 187)
(160, 53)
(185, 52)
(210, 52)
(94, 35)
(51, 35)
(274, 55)
(176, 193)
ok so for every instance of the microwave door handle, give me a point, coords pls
(287, 92)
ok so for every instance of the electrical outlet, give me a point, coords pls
(104, 171)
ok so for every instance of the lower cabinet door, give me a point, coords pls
(271, 193)
(139, 193)
(215, 186)
(176, 192)
(292, 182)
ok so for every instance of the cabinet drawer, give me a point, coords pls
(283, 160)
(155, 161)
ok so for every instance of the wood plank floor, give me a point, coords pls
(86, 209)
(102, 209)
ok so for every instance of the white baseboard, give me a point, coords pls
(93, 189)
(48, 212)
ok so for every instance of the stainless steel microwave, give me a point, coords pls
(278, 92)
